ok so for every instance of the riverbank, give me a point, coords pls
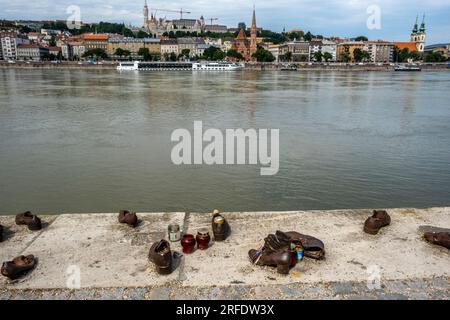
(108, 65)
(112, 258)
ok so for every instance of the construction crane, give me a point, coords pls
(181, 11)
(212, 19)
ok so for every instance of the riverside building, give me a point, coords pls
(133, 45)
(9, 40)
(31, 52)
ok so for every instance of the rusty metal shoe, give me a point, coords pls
(378, 220)
(221, 228)
(18, 266)
(314, 248)
(161, 256)
(275, 252)
(438, 238)
(33, 222)
(127, 217)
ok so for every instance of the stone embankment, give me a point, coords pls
(109, 65)
(111, 259)
(340, 67)
(62, 65)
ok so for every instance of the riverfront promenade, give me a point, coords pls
(113, 264)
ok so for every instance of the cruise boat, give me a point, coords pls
(408, 68)
(289, 67)
(178, 66)
(216, 66)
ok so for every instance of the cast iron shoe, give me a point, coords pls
(378, 220)
(438, 238)
(31, 220)
(18, 266)
(161, 256)
(220, 226)
(313, 247)
(275, 252)
(127, 217)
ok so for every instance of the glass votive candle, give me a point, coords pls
(203, 238)
(174, 233)
(188, 243)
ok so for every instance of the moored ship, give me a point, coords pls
(178, 66)
(408, 68)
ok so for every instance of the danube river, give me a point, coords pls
(99, 141)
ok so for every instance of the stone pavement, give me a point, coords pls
(112, 258)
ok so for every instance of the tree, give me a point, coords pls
(415, 56)
(233, 53)
(48, 57)
(274, 37)
(360, 55)
(401, 55)
(345, 57)
(296, 35)
(327, 56)
(52, 41)
(318, 56)
(435, 57)
(242, 25)
(97, 53)
(262, 55)
(286, 57)
(145, 53)
(308, 36)
(155, 56)
(185, 53)
(214, 54)
(122, 53)
(141, 34)
(361, 38)
(173, 56)
(25, 29)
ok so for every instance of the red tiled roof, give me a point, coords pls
(241, 35)
(28, 46)
(74, 43)
(100, 37)
(411, 46)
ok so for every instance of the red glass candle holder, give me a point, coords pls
(188, 243)
(203, 238)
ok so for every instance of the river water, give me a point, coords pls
(99, 141)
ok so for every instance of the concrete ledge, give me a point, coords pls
(112, 258)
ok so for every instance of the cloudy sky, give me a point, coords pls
(326, 17)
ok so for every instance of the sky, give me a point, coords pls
(344, 18)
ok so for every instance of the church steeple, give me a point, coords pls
(145, 14)
(253, 34)
(416, 25)
(254, 18)
(422, 26)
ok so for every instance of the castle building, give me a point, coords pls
(158, 26)
(247, 47)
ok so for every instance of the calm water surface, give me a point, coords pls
(91, 141)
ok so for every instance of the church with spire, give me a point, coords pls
(245, 46)
(418, 35)
(417, 40)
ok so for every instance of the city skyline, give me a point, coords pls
(334, 18)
